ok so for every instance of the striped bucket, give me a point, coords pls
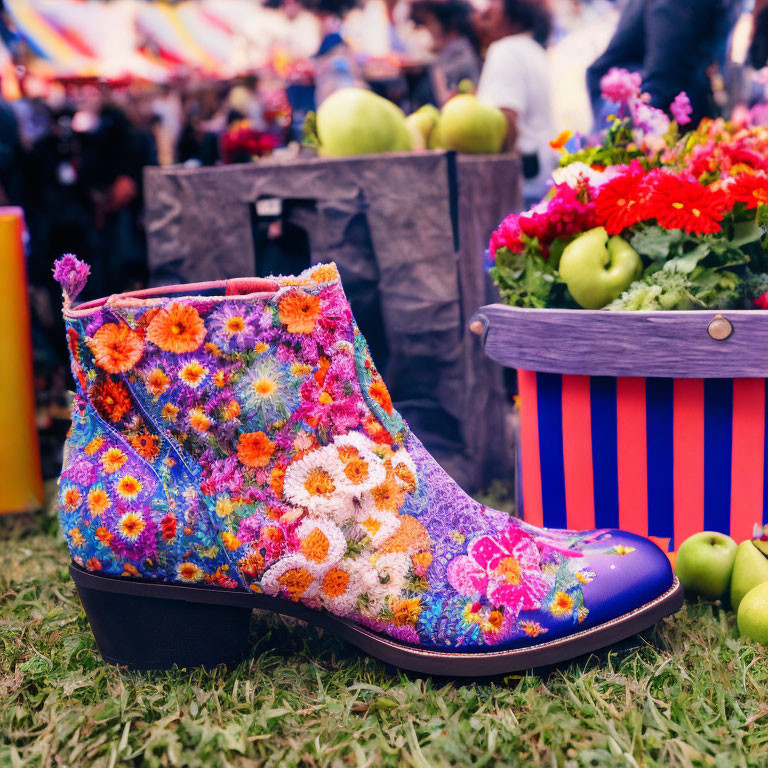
(651, 422)
(661, 457)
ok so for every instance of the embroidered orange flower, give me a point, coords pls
(378, 391)
(193, 373)
(72, 498)
(93, 564)
(255, 449)
(103, 535)
(169, 412)
(146, 445)
(111, 399)
(189, 572)
(76, 537)
(532, 628)
(296, 581)
(199, 420)
(93, 446)
(177, 328)
(335, 582)
(230, 540)
(113, 459)
(411, 536)
(231, 410)
(220, 379)
(98, 501)
(116, 348)
(299, 311)
(315, 546)
(562, 604)
(157, 382)
(276, 481)
(376, 431)
(131, 525)
(388, 496)
(324, 273)
(406, 612)
(253, 564)
(129, 487)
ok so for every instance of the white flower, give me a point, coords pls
(575, 175)
(341, 585)
(290, 577)
(392, 571)
(359, 469)
(313, 482)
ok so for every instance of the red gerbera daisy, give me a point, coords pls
(621, 201)
(678, 203)
(750, 188)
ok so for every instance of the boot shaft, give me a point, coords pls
(211, 423)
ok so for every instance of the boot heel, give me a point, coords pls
(156, 633)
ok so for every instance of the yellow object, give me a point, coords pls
(21, 483)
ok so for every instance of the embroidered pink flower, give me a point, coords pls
(71, 274)
(504, 568)
(620, 85)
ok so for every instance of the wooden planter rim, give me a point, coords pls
(703, 344)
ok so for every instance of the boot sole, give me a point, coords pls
(145, 625)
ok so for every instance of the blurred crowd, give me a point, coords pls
(72, 153)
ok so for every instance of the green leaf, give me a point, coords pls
(657, 243)
(689, 261)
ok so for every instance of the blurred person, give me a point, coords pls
(757, 55)
(454, 44)
(515, 78)
(167, 107)
(674, 44)
(336, 64)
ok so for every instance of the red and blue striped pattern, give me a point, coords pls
(660, 457)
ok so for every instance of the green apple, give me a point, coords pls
(750, 568)
(421, 124)
(471, 127)
(353, 121)
(597, 269)
(752, 617)
(705, 562)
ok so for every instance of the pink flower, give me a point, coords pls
(71, 274)
(507, 236)
(681, 108)
(505, 569)
(620, 85)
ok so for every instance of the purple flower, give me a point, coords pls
(232, 327)
(81, 472)
(681, 108)
(133, 532)
(620, 85)
(71, 274)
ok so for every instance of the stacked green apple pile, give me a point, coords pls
(712, 565)
(354, 121)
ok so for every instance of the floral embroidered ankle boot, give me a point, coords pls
(233, 447)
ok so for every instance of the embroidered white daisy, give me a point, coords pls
(291, 578)
(313, 482)
(359, 469)
(341, 584)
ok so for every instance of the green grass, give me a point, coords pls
(688, 693)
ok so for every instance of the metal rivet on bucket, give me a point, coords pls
(719, 328)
